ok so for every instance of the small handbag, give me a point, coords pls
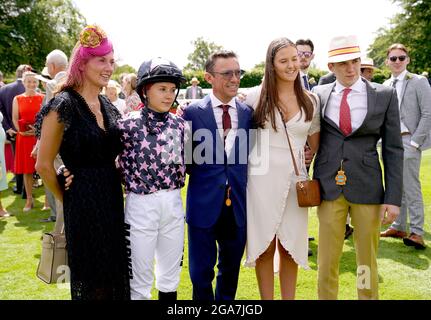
(24, 125)
(53, 257)
(308, 191)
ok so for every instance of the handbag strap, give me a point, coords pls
(290, 146)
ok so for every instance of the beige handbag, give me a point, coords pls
(53, 257)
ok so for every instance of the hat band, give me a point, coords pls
(347, 50)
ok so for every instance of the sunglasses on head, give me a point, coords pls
(394, 58)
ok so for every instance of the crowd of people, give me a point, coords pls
(239, 153)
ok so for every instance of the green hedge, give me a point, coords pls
(250, 79)
(254, 77)
(380, 75)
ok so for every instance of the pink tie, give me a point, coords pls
(345, 120)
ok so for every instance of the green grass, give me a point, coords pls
(404, 272)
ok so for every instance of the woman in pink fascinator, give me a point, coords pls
(81, 125)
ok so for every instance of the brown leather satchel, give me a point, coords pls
(308, 191)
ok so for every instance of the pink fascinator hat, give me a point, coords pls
(94, 42)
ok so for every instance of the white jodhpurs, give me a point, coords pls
(156, 235)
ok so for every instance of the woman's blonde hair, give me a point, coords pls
(131, 79)
(28, 74)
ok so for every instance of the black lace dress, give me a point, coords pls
(93, 206)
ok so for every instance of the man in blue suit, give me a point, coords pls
(216, 195)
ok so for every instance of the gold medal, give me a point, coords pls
(340, 178)
(228, 202)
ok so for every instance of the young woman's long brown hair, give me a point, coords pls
(268, 101)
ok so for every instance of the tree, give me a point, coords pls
(259, 66)
(30, 29)
(411, 27)
(125, 68)
(199, 56)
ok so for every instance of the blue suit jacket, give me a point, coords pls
(7, 93)
(207, 180)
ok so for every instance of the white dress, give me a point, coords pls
(272, 207)
(3, 179)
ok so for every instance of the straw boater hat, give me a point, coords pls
(343, 48)
(367, 63)
(194, 79)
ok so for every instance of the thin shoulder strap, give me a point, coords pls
(290, 146)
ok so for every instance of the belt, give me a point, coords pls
(405, 133)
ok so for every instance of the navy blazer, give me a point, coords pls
(7, 93)
(207, 179)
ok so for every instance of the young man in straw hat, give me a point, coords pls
(367, 68)
(355, 114)
(194, 91)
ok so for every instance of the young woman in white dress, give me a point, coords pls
(275, 222)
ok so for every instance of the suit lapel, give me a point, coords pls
(208, 118)
(371, 105)
(241, 117)
(207, 114)
(325, 97)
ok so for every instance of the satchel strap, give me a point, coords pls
(290, 146)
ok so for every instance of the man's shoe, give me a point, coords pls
(310, 253)
(16, 191)
(415, 240)
(49, 219)
(167, 296)
(392, 233)
(349, 231)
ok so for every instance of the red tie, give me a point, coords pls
(345, 120)
(227, 124)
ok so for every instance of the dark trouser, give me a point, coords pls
(19, 183)
(19, 178)
(203, 254)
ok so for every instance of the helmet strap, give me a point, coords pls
(176, 96)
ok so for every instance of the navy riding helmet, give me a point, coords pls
(158, 70)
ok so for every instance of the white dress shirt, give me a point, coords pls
(218, 113)
(357, 100)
